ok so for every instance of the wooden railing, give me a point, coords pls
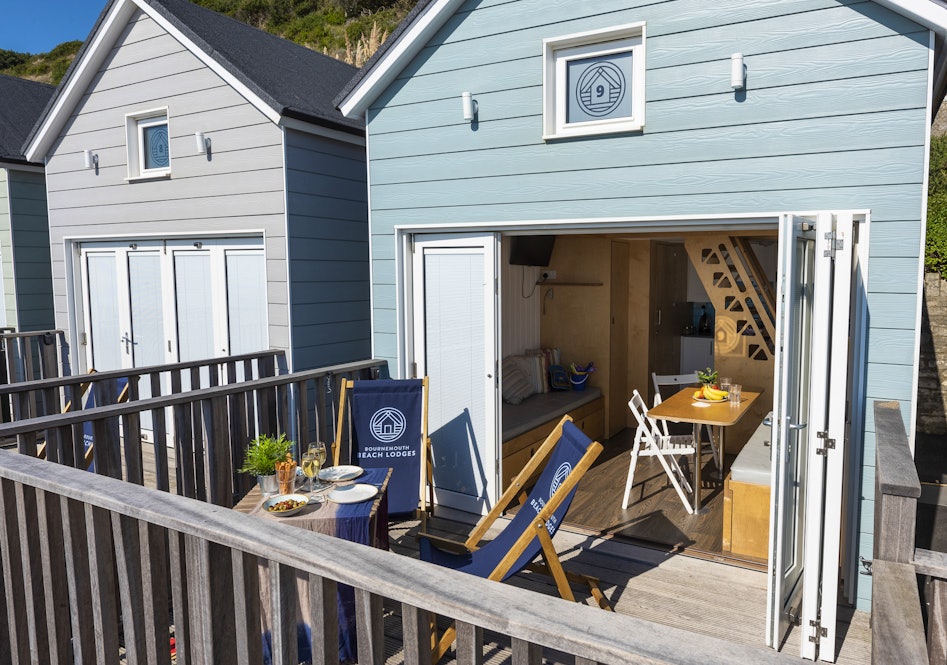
(29, 356)
(209, 428)
(38, 397)
(897, 615)
(89, 562)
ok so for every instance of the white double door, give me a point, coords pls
(817, 334)
(151, 302)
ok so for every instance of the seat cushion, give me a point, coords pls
(516, 384)
(752, 465)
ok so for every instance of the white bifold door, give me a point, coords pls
(150, 302)
(812, 386)
(453, 332)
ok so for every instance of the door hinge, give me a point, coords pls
(84, 339)
(818, 631)
(829, 444)
(833, 243)
(414, 370)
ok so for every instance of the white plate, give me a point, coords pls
(341, 472)
(284, 497)
(352, 493)
(712, 401)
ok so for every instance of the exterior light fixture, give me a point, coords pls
(91, 159)
(201, 143)
(737, 71)
(470, 106)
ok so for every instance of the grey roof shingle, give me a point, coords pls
(293, 79)
(21, 103)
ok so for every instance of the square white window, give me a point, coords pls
(149, 154)
(594, 82)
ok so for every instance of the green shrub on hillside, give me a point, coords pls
(935, 254)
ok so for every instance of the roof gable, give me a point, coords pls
(23, 103)
(280, 78)
(429, 16)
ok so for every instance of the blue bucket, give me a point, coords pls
(578, 381)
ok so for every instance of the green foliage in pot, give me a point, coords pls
(264, 452)
(707, 376)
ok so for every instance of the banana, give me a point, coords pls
(698, 393)
(714, 393)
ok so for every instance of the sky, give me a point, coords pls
(36, 26)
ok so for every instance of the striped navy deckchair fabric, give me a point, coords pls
(565, 456)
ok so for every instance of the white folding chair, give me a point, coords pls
(650, 441)
(679, 381)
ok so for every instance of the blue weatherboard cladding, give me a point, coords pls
(834, 116)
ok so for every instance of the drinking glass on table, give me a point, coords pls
(736, 392)
(725, 383)
(318, 451)
(310, 467)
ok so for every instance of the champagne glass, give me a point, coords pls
(310, 466)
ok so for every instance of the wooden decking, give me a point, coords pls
(699, 595)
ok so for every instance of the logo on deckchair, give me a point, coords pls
(559, 477)
(387, 424)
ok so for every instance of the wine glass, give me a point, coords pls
(310, 466)
(318, 450)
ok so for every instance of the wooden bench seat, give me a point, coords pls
(526, 425)
(746, 498)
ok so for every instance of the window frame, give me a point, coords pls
(559, 51)
(135, 124)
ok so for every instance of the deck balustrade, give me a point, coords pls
(43, 396)
(208, 428)
(898, 635)
(92, 565)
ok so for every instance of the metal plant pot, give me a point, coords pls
(268, 484)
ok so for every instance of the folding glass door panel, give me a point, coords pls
(107, 350)
(455, 344)
(790, 438)
(246, 300)
(809, 411)
(155, 302)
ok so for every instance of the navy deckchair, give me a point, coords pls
(388, 429)
(564, 457)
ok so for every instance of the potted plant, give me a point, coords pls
(707, 377)
(262, 455)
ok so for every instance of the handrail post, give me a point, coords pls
(897, 626)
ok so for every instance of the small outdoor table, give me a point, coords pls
(365, 522)
(682, 407)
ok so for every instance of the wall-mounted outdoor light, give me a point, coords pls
(202, 143)
(91, 159)
(737, 71)
(470, 106)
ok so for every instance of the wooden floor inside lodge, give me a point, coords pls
(655, 561)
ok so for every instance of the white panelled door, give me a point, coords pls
(455, 331)
(809, 424)
(151, 302)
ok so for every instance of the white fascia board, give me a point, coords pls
(924, 12)
(325, 132)
(16, 166)
(409, 44)
(81, 78)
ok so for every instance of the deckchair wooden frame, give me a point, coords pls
(551, 565)
(83, 387)
(427, 462)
